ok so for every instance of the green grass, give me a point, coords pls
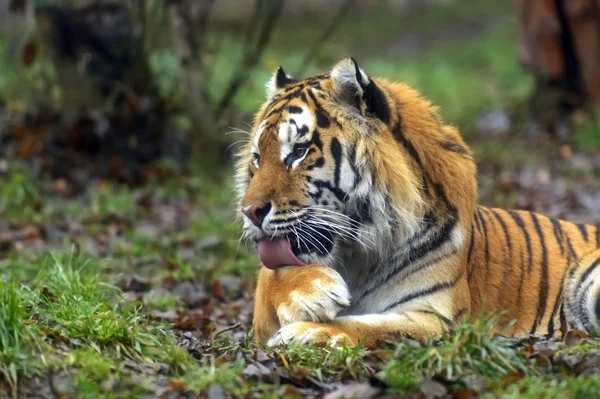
(20, 197)
(68, 304)
(587, 135)
(109, 200)
(582, 387)
(467, 350)
(16, 341)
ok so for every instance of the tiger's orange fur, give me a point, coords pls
(406, 250)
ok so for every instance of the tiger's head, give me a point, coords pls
(323, 172)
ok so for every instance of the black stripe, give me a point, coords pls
(284, 221)
(583, 230)
(587, 273)
(363, 212)
(504, 230)
(471, 243)
(357, 175)
(320, 109)
(410, 148)
(507, 264)
(416, 250)
(485, 235)
(316, 140)
(427, 291)
(521, 225)
(557, 303)
(558, 234)
(584, 316)
(544, 283)
(452, 146)
(430, 222)
(460, 313)
(340, 194)
(446, 320)
(431, 262)
(275, 111)
(521, 280)
(417, 253)
(597, 307)
(292, 109)
(598, 236)
(318, 164)
(477, 223)
(336, 152)
(322, 120)
(572, 254)
(564, 327)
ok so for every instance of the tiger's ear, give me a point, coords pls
(279, 80)
(354, 87)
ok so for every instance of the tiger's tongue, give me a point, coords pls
(277, 253)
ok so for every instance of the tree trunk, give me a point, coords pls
(560, 43)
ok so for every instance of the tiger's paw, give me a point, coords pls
(318, 299)
(306, 333)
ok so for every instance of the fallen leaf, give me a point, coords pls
(463, 393)
(29, 54)
(177, 384)
(187, 321)
(218, 290)
(511, 378)
(27, 146)
(529, 349)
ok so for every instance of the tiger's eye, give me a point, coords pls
(299, 151)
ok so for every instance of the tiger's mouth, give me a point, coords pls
(285, 249)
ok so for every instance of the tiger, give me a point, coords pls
(362, 204)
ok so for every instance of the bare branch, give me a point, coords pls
(325, 35)
(252, 56)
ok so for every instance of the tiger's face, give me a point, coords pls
(322, 173)
(305, 177)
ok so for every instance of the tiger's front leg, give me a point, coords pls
(367, 329)
(310, 293)
(421, 320)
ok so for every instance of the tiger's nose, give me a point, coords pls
(257, 212)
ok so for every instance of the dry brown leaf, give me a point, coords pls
(177, 384)
(511, 378)
(29, 53)
(187, 321)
